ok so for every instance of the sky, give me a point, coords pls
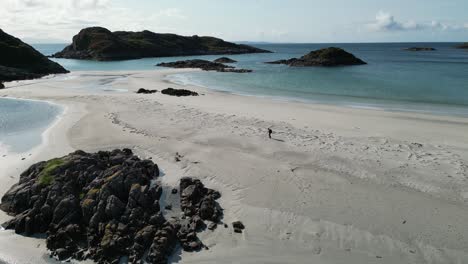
(301, 21)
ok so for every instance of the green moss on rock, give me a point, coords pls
(46, 177)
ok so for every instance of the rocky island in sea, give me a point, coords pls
(19, 61)
(420, 49)
(324, 57)
(225, 60)
(97, 43)
(202, 64)
(463, 46)
(105, 206)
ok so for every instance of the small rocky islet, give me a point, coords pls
(225, 60)
(105, 206)
(203, 65)
(20, 61)
(327, 57)
(98, 43)
(420, 49)
(462, 46)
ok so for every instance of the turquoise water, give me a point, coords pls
(22, 123)
(394, 79)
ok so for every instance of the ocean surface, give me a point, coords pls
(394, 79)
(22, 123)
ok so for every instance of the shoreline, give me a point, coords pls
(385, 104)
(335, 185)
(62, 112)
(52, 144)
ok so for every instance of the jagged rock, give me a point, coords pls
(97, 43)
(178, 93)
(324, 57)
(238, 225)
(212, 226)
(1, 85)
(103, 206)
(202, 64)
(145, 91)
(19, 61)
(420, 49)
(225, 60)
(198, 204)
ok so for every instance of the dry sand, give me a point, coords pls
(335, 185)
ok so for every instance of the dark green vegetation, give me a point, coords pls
(19, 61)
(324, 57)
(46, 177)
(105, 206)
(97, 43)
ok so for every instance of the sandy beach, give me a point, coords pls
(334, 185)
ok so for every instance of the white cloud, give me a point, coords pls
(59, 20)
(387, 22)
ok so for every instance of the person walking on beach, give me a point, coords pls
(270, 132)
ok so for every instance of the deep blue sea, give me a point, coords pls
(394, 79)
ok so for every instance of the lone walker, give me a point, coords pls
(269, 132)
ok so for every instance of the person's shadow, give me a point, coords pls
(277, 139)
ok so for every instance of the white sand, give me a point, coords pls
(338, 185)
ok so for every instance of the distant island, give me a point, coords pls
(225, 60)
(19, 61)
(97, 43)
(463, 46)
(420, 49)
(327, 57)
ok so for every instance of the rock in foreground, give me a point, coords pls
(420, 49)
(324, 57)
(105, 206)
(19, 61)
(202, 64)
(97, 43)
(178, 92)
(225, 60)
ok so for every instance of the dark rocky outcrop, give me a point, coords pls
(238, 226)
(202, 64)
(105, 206)
(463, 46)
(146, 91)
(19, 61)
(178, 92)
(1, 85)
(97, 43)
(327, 57)
(420, 49)
(198, 204)
(225, 60)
